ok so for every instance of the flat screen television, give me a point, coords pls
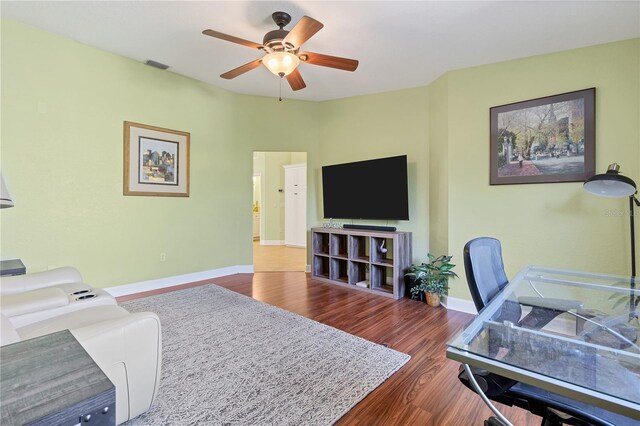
(372, 189)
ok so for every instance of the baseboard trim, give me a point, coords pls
(307, 269)
(271, 242)
(295, 245)
(460, 305)
(139, 287)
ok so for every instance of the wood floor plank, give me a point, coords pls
(278, 258)
(426, 390)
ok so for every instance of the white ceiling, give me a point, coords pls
(399, 44)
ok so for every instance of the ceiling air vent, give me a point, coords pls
(156, 64)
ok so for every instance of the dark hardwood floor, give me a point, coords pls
(425, 391)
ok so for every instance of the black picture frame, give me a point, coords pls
(544, 140)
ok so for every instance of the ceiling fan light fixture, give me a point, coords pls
(281, 63)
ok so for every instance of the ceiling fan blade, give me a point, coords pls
(295, 80)
(329, 61)
(241, 69)
(232, 39)
(303, 31)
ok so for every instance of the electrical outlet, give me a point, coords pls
(163, 257)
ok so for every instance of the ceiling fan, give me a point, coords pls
(282, 48)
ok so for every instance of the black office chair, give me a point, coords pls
(486, 279)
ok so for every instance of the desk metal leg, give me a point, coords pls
(486, 400)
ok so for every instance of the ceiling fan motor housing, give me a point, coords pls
(273, 39)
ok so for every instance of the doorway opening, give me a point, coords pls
(279, 209)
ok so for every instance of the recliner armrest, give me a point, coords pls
(128, 350)
(32, 301)
(21, 283)
(549, 303)
(8, 334)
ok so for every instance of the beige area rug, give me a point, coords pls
(231, 360)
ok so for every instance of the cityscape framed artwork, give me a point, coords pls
(544, 140)
(156, 161)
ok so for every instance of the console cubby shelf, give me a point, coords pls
(357, 258)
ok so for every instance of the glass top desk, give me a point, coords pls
(590, 353)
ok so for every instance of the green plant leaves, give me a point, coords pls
(432, 277)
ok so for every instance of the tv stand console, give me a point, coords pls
(372, 261)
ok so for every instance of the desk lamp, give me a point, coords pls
(5, 197)
(614, 185)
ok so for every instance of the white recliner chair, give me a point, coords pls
(127, 347)
(26, 299)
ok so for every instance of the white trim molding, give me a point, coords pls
(304, 246)
(271, 242)
(307, 269)
(139, 287)
(460, 305)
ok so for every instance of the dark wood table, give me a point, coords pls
(51, 380)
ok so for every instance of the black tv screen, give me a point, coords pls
(372, 189)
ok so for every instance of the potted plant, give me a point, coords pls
(431, 278)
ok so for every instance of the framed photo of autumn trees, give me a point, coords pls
(550, 139)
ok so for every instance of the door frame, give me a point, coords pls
(260, 203)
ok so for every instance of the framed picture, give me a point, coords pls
(156, 161)
(551, 139)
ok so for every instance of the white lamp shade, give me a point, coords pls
(5, 197)
(611, 184)
(610, 188)
(281, 63)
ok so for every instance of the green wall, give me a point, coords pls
(444, 128)
(382, 125)
(439, 168)
(557, 224)
(63, 105)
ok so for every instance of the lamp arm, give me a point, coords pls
(632, 199)
(632, 295)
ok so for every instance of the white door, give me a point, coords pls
(295, 205)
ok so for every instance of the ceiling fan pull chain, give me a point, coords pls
(280, 98)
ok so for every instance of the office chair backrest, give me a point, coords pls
(484, 269)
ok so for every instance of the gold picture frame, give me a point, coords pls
(156, 161)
